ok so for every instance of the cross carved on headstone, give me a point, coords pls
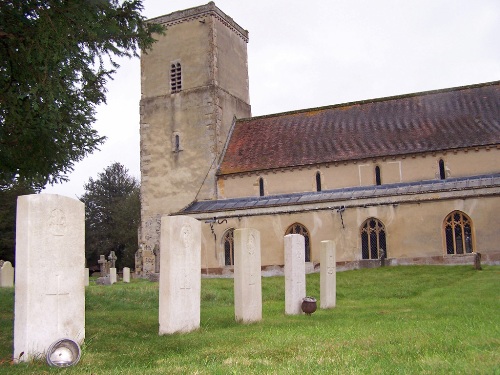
(102, 264)
(112, 259)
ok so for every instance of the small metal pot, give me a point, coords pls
(309, 305)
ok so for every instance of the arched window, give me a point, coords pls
(373, 241)
(228, 241)
(378, 180)
(318, 181)
(175, 77)
(458, 233)
(300, 229)
(261, 186)
(442, 171)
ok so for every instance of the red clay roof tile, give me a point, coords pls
(423, 122)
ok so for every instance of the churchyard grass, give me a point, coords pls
(392, 320)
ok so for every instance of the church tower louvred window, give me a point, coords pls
(175, 77)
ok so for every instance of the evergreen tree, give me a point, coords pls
(55, 58)
(8, 207)
(112, 216)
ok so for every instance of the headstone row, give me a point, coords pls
(180, 279)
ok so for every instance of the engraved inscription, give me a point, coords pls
(57, 222)
(187, 237)
(330, 265)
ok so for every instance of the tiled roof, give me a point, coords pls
(345, 194)
(447, 119)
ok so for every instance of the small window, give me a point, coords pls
(175, 77)
(373, 241)
(228, 241)
(442, 171)
(261, 187)
(301, 229)
(458, 233)
(318, 181)
(378, 180)
(176, 142)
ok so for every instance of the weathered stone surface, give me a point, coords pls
(180, 277)
(6, 275)
(112, 275)
(247, 276)
(295, 273)
(49, 288)
(126, 274)
(328, 275)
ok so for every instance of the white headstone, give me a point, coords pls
(295, 273)
(247, 276)
(180, 276)
(112, 275)
(328, 275)
(86, 272)
(6, 275)
(126, 274)
(49, 288)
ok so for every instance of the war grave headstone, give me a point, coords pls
(180, 276)
(328, 275)
(126, 274)
(49, 282)
(112, 267)
(295, 273)
(6, 275)
(247, 276)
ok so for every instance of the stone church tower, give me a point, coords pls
(193, 84)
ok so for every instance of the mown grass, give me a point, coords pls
(393, 320)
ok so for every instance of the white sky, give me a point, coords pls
(321, 52)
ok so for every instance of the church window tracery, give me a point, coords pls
(373, 239)
(228, 241)
(175, 77)
(458, 233)
(298, 228)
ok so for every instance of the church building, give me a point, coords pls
(410, 179)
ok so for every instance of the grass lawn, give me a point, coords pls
(392, 320)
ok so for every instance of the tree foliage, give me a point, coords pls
(8, 207)
(55, 58)
(112, 216)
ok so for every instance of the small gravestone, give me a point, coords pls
(6, 275)
(328, 275)
(180, 276)
(112, 267)
(49, 282)
(148, 262)
(126, 274)
(295, 273)
(247, 276)
(156, 252)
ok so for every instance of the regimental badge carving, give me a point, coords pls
(57, 222)
(187, 237)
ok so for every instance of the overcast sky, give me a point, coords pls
(315, 53)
